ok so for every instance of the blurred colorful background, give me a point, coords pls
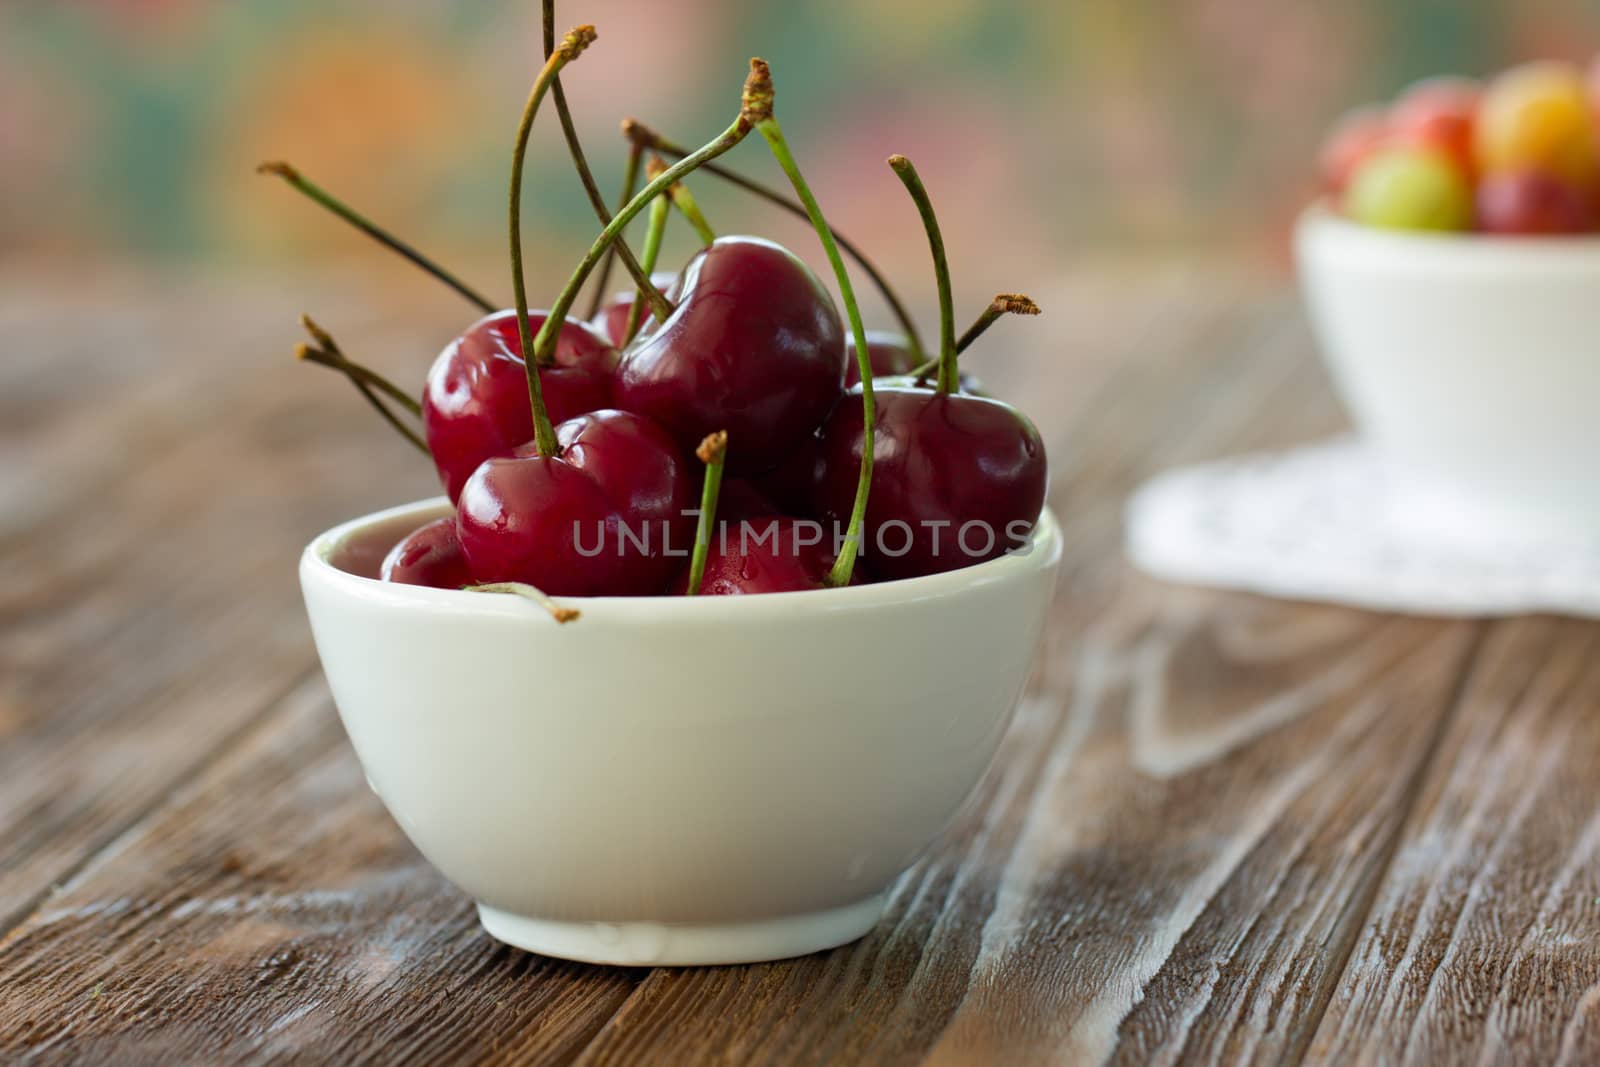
(1047, 130)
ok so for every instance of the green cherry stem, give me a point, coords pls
(630, 182)
(689, 207)
(1002, 304)
(572, 47)
(569, 130)
(949, 376)
(300, 183)
(331, 349)
(306, 354)
(713, 451)
(558, 611)
(844, 566)
(660, 207)
(640, 134)
(756, 105)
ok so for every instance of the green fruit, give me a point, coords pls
(1409, 189)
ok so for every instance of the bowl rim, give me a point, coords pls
(1318, 221)
(1044, 551)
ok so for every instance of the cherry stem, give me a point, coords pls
(302, 184)
(949, 376)
(630, 181)
(640, 134)
(689, 207)
(655, 228)
(306, 353)
(572, 46)
(844, 566)
(756, 105)
(1002, 304)
(713, 451)
(557, 611)
(569, 130)
(331, 349)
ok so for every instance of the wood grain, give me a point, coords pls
(270, 908)
(165, 474)
(1484, 945)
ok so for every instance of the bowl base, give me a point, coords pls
(685, 944)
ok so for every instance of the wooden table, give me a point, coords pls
(1222, 829)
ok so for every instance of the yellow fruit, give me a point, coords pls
(1536, 117)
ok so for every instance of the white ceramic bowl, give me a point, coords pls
(674, 780)
(1472, 363)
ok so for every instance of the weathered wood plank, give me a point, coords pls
(167, 470)
(1484, 944)
(272, 909)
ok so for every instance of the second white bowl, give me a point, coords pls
(1471, 363)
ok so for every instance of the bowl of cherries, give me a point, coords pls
(708, 637)
(1450, 270)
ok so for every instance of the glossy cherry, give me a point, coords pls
(743, 499)
(970, 384)
(612, 318)
(889, 353)
(475, 404)
(606, 516)
(429, 555)
(755, 347)
(766, 554)
(792, 484)
(957, 479)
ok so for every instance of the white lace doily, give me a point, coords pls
(1328, 522)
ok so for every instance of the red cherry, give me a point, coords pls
(956, 480)
(766, 554)
(1354, 137)
(429, 555)
(612, 318)
(1532, 202)
(604, 517)
(1439, 113)
(475, 404)
(792, 484)
(969, 384)
(889, 353)
(755, 347)
(742, 499)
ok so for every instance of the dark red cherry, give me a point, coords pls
(956, 479)
(612, 318)
(429, 555)
(889, 353)
(970, 384)
(475, 404)
(766, 554)
(755, 348)
(604, 517)
(792, 484)
(743, 499)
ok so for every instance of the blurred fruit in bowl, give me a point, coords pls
(1537, 117)
(1516, 156)
(1441, 114)
(1355, 136)
(1406, 188)
(1531, 202)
